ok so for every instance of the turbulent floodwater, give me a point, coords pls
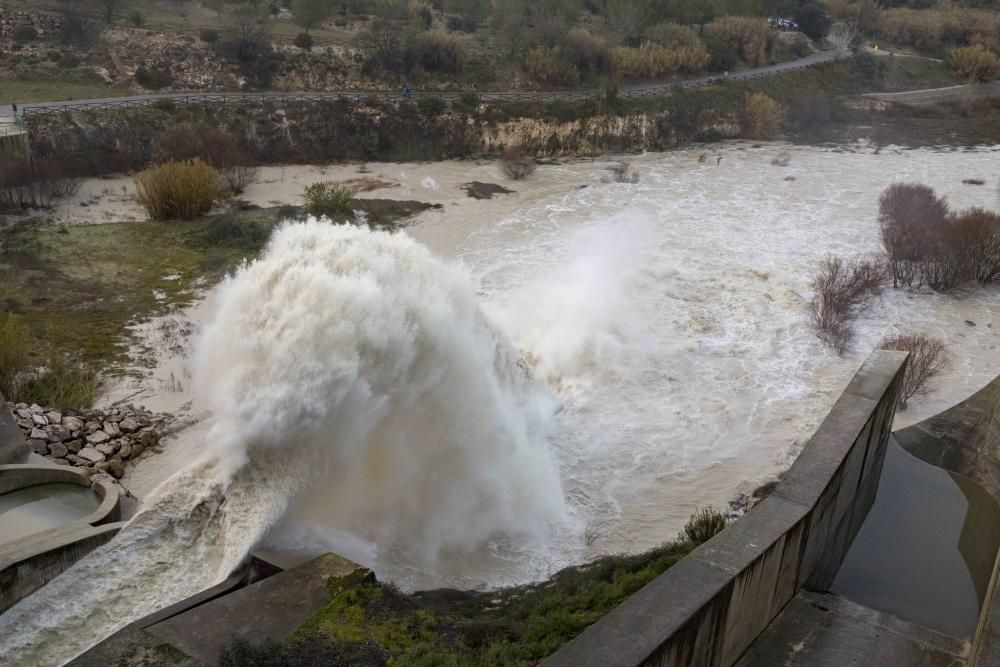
(618, 354)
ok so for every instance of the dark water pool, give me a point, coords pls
(926, 551)
(37, 508)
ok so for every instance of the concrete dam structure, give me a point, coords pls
(775, 587)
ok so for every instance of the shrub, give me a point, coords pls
(439, 51)
(178, 190)
(762, 116)
(303, 40)
(586, 51)
(209, 36)
(813, 21)
(927, 360)
(516, 164)
(622, 172)
(329, 199)
(34, 184)
(153, 78)
(213, 146)
(550, 64)
(977, 237)
(975, 63)
(752, 38)
(249, 47)
(651, 60)
(704, 525)
(25, 33)
(431, 106)
(910, 218)
(842, 289)
(722, 57)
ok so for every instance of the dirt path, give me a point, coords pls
(931, 96)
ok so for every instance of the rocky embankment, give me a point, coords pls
(99, 440)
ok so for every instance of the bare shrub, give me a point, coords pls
(975, 62)
(550, 64)
(927, 360)
(651, 60)
(439, 51)
(842, 290)
(34, 184)
(762, 116)
(977, 238)
(622, 172)
(178, 190)
(910, 218)
(212, 145)
(238, 178)
(515, 163)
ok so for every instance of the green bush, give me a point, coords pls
(329, 199)
(704, 525)
(25, 33)
(431, 106)
(153, 78)
(209, 36)
(178, 190)
(439, 51)
(303, 40)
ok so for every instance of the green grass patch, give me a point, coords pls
(77, 288)
(51, 90)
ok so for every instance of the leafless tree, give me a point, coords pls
(239, 177)
(928, 359)
(842, 290)
(840, 37)
(622, 172)
(516, 164)
(910, 219)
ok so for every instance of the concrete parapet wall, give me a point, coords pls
(13, 447)
(29, 563)
(709, 608)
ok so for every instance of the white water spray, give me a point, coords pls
(348, 367)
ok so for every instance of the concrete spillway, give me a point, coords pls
(37, 508)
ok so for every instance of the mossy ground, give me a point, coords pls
(367, 623)
(79, 287)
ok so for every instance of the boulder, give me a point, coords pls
(111, 428)
(53, 417)
(38, 434)
(60, 461)
(73, 423)
(39, 420)
(36, 409)
(58, 449)
(38, 446)
(97, 437)
(106, 448)
(25, 424)
(91, 426)
(148, 437)
(76, 460)
(137, 450)
(57, 433)
(125, 451)
(128, 425)
(90, 454)
(117, 469)
(23, 413)
(74, 445)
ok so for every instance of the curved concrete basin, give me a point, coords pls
(29, 562)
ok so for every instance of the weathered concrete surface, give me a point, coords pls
(822, 630)
(31, 562)
(709, 608)
(13, 446)
(966, 439)
(132, 645)
(269, 609)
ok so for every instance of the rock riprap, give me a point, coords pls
(100, 440)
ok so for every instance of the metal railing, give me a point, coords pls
(397, 96)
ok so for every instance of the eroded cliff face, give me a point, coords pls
(120, 140)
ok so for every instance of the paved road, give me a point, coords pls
(636, 90)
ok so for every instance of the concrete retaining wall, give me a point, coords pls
(29, 563)
(13, 447)
(966, 439)
(708, 609)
